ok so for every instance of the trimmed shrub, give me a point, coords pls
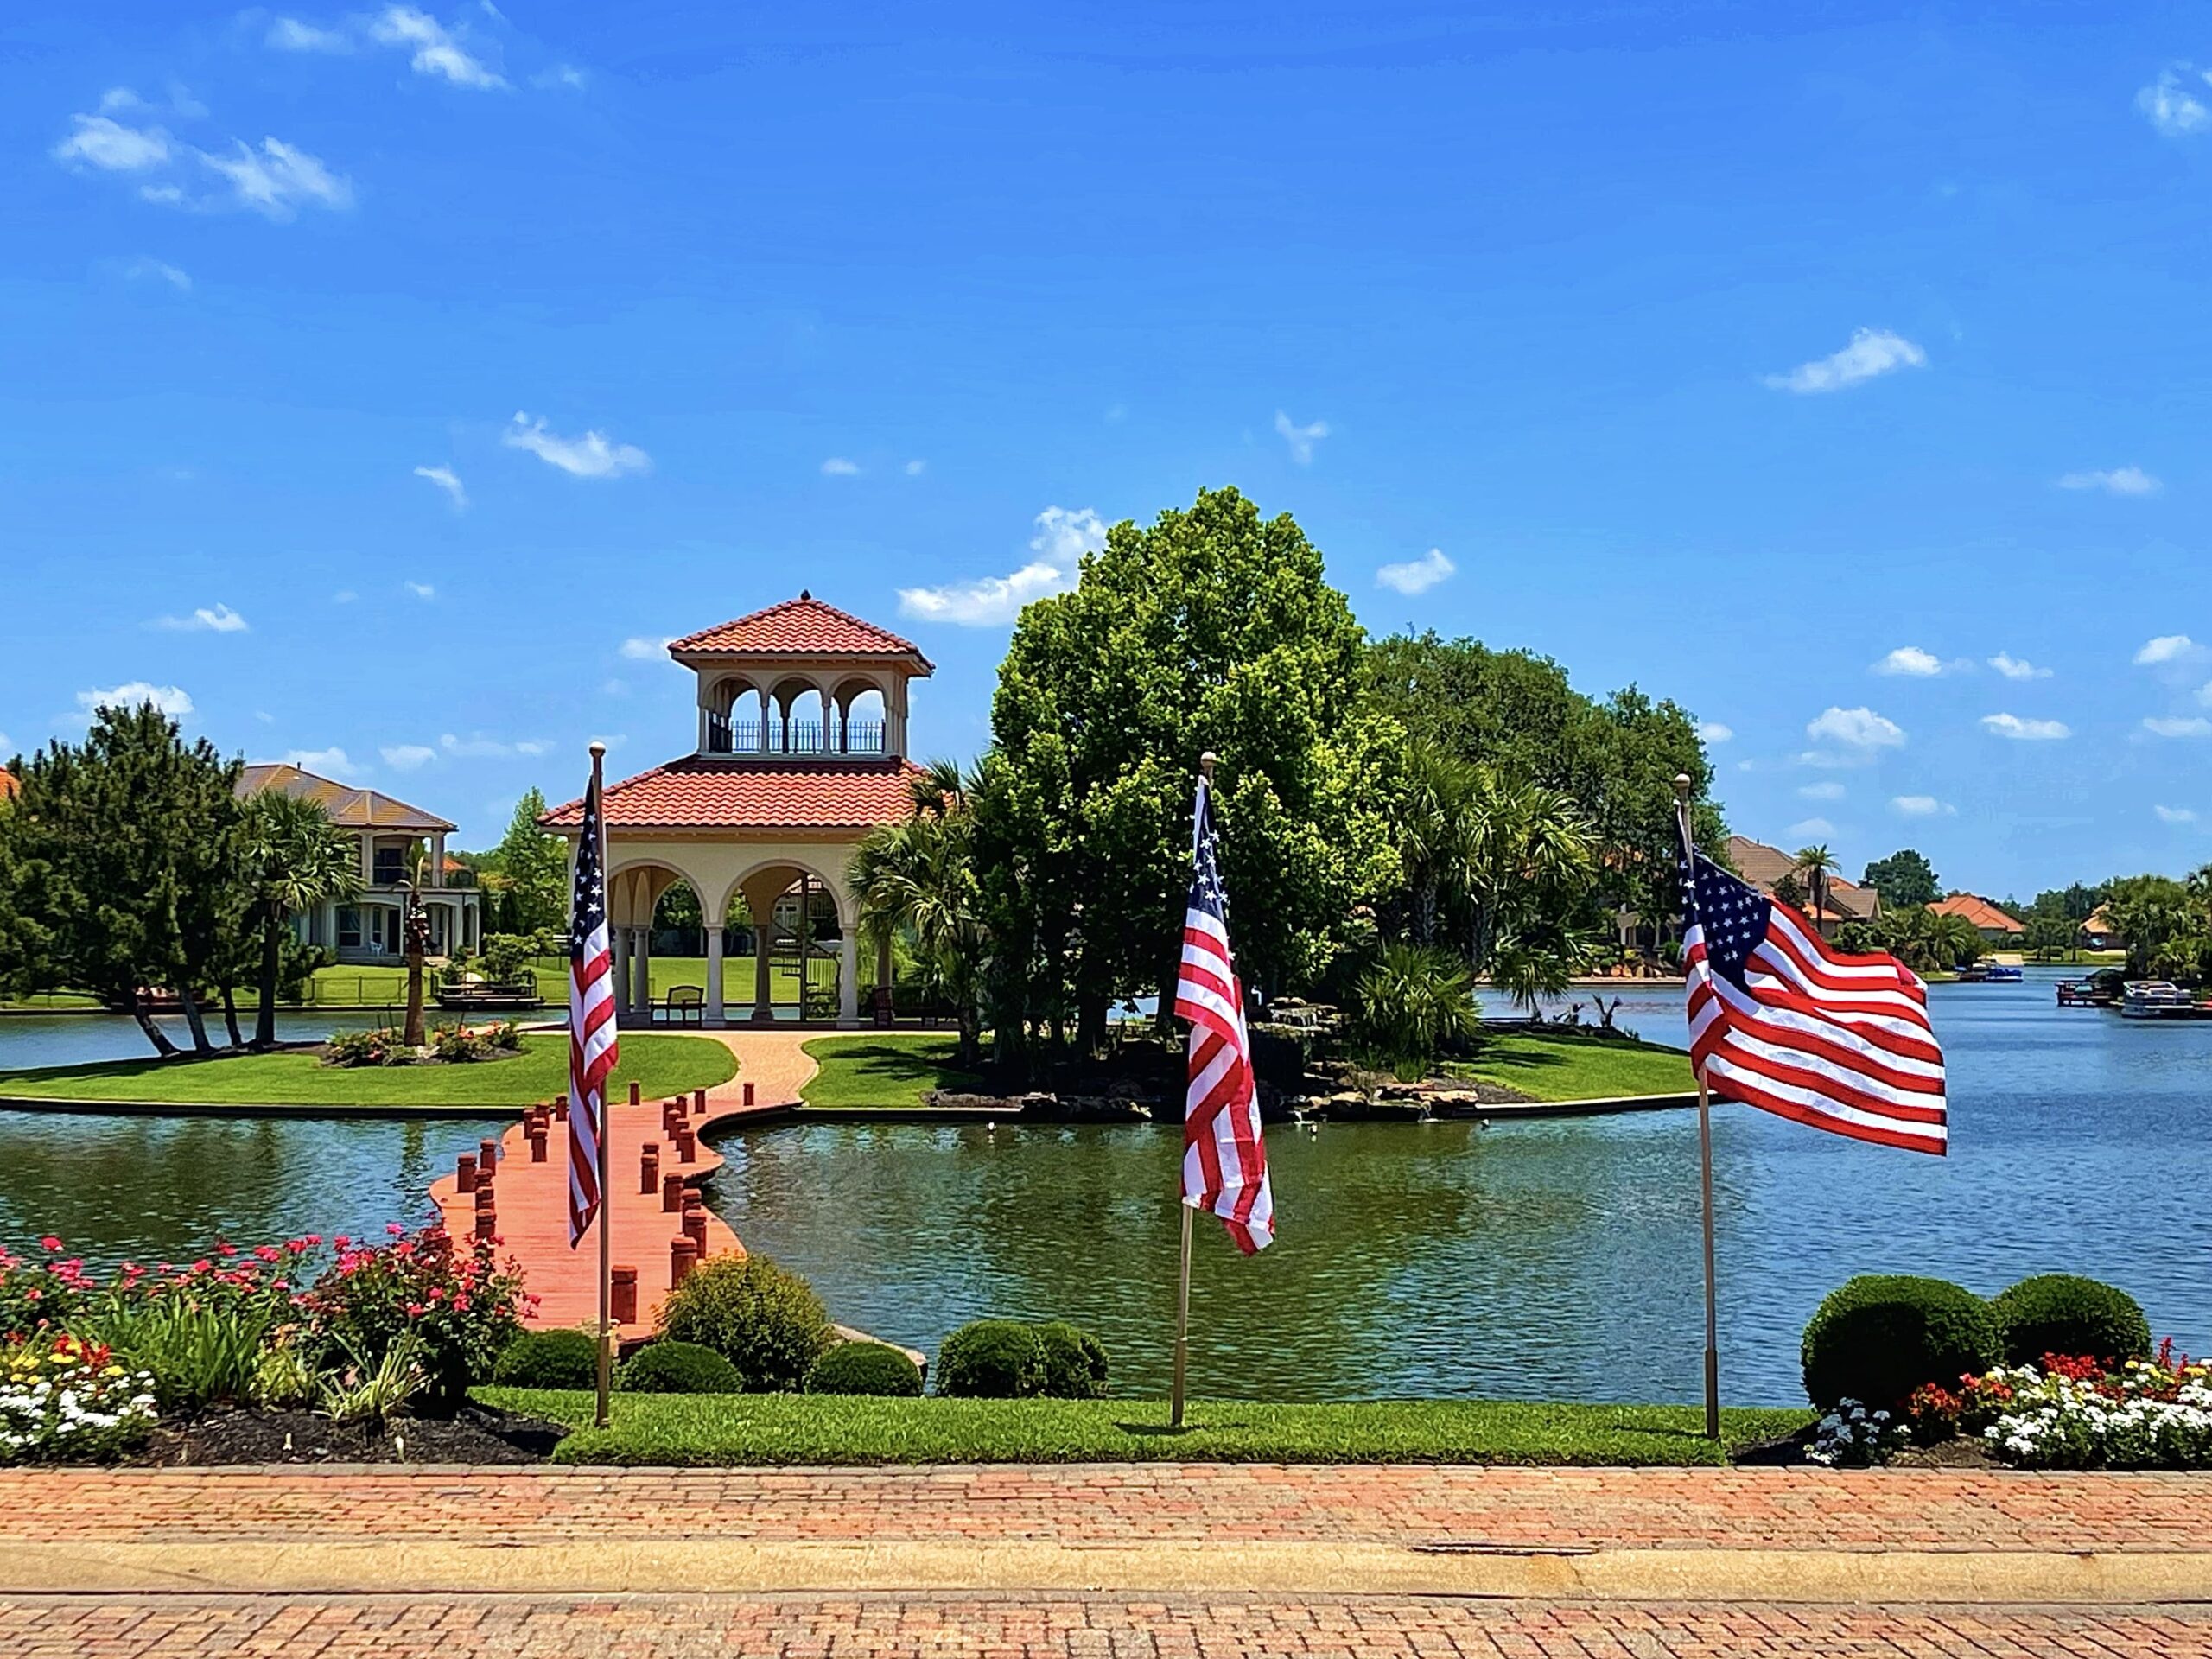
(991, 1359)
(669, 1367)
(2075, 1318)
(1882, 1335)
(1075, 1362)
(865, 1368)
(549, 1359)
(764, 1319)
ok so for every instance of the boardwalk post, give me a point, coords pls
(1705, 1160)
(600, 1416)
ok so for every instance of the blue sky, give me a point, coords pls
(374, 376)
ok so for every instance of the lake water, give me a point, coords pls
(28, 1040)
(1535, 1259)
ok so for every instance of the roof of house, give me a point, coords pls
(349, 808)
(801, 626)
(715, 792)
(1764, 865)
(1977, 910)
(9, 786)
(2100, 921)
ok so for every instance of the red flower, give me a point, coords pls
(50, 1244)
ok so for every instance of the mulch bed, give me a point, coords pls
(479, 1434)
(1964, 1452)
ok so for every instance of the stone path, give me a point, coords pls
(533, 1203)
(1095, 1561)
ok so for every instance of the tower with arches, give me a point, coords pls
(801, 751)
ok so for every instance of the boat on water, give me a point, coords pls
(1991, 973)
(2101, 990)
(2160, 999)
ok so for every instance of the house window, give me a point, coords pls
(390, 865)
(349, 927)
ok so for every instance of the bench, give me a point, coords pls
(684, 1005)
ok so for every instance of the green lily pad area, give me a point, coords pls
(660, 1065)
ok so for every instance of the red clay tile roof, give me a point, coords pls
(800, 624)
(8, 785)
(1977, 910)
(712, 793)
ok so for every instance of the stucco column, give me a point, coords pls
(762, 1011)
(828, 747)
(715, 972)
(848, 982)
(368, 859)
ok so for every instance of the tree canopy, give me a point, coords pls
(1905, 877)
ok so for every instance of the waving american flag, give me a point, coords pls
(1780, 1021)
(592, 1047)
(1224, 1163)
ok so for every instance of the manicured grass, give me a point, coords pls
(1560, 1066)
(707, 1429)
(659, 1064)
(892, 1069)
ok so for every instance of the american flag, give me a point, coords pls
(1224, 1163)
(592, 1047)
(1781, 1021)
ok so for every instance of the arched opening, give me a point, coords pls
(789, 943)
(859, 710)
(732, 713)
(797, 710)
(654, 928)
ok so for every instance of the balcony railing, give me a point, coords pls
(805, 737)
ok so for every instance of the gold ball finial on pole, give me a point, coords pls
(1206, 763)
(598, 749)
(1683, 787)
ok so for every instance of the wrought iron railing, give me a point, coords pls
(726, 736)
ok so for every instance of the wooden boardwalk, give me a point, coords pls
(531, 1199)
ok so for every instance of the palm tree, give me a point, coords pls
(1433, 822)
(1539, 957)
(297, 859)
(1528, 854)
(1816, 862)
(920, 877)
(1958, 942)
(1414, 1002)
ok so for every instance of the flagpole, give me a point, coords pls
(1705, 1161)
(606, 1133)
(1183, 1203)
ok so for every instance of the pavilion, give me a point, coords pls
(801, 750)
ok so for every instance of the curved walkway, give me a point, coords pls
(532, 1200)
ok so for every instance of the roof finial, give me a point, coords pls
(804, 593)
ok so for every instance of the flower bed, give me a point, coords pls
(2076, 1413)
(453, 1044)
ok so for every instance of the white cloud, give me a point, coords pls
(1713, 732)
(915, 468)
(1921, 806)
(2166, 648)
(436, 52)
(1911, 660)
(1855, 728)
(2118, 480)
(1416, 575)
(420, 589)
(593, 455)
(565, 75)
(1063, 536)
(112, 147)
(2166, 814)
(2204, 693)
(1826, 791)
(2025, 731)
(329, 763)
(646, 648)
(406, 756)
(2171, 105)
(838, 466)
(1871, 353)
(169, 699)
(212, 619)
(2178, 726)
(141, 270)
(2016, 668)
(277, 179)
(448, 480)
(1301, 438)
(290, 35)
(1811, 827)
(477, 746)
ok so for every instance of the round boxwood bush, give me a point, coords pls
(549, 1359)
(1882, 1335)
(1075, 1362)
(764, 1319)
(667, 1367)
(2079, 1318)
(991, 1359)
(865, 1368)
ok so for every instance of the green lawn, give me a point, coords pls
(660, 1065)
(709, 1429)
(1560, 1066)
(892, 1069)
